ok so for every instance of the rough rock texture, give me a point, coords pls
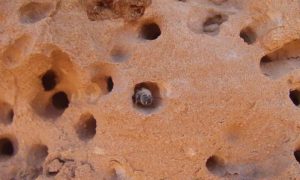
(141, 89)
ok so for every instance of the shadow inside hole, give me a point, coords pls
(7, 148)
(118, 55)
(6, 113)
(295, 97)
(37, 155)
(50, 105)
(150, 31)
(216, 166)
(86, 127)
(248, 35)
(110, 84)
(297, 155)
(105, 83)
(60, 101)
(49, 80)
(35, 160)
(265, 59)
(282, 61)
(146, 96)
(212, 24)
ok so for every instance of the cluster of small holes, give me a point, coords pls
(58, 101)
(146, 95)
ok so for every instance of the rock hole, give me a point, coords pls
(60, 100)
(265, 59)
(6, 113)
(295, 97)
(248, 35)
(110, 84)
(212, 24)
(34, 12)
(146, 96)
(86, 128)
(216, 166)
(119, 55)
(282, 61)
(7, 148)
(150, 31)
(37, 155)
(297, 155)
(105, 83)
(49, 80)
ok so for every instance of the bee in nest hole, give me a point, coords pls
(143, 97)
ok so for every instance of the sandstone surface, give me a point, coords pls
(149, 89)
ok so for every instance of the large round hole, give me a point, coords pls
(60, 100)
(86, 128)
(6, 148)
(295, 96)
(146, 96)
(49, 80)
(216, 166)
(150, 31)
(248, 35)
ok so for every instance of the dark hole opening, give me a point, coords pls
(49, 80)
(105, 4)
(297, 155)
(212, 24)
(86, 129)
(295, 97)
(266, 59)
(248, 35)
(60, 100)
(150, 31)
(110, 84)
(146, 96)
(6, 113)
(6, 147)
(216, 166)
